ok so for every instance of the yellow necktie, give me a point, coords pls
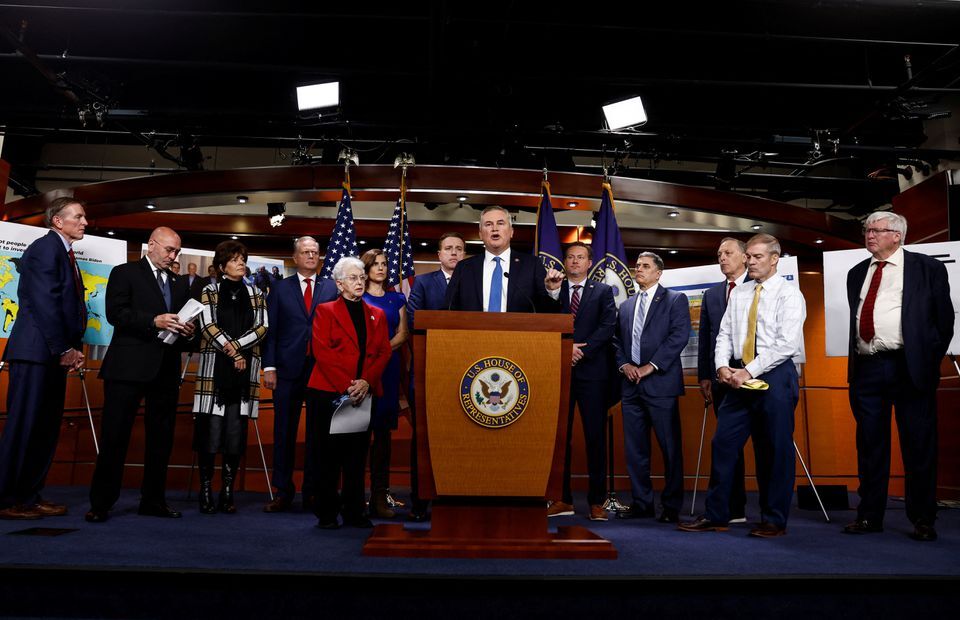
(750, 343)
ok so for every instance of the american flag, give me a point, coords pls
(399, 251)
(343, 238)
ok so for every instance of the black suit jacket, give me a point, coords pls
(594, 324)
(525, 290)
(712, 307)
(133, 300)
(926, 316)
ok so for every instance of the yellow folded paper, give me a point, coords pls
(755, 384)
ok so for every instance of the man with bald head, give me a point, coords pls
(143, 298)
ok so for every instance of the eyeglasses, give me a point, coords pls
(353, 278)
(876, 231)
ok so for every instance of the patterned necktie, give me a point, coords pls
(308, 294)
(867, 329)
(496, 287)
(575, 299)
(638, 327)
(750, 342)
(163, 289)
(730, 287)
(78, 283)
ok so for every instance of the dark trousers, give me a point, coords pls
(341, 461)
(380, 460)
(589, 397)
(417, 505)
(881, 383)
(288, 398)
(641, 414)
(767, 417)
(738, 488)
(34, 412)
(121, 402)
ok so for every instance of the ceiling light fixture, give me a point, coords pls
(818, 241)
(462, 198)
(572, 204)
(674, 213)
(242, 199)
(151, 206)
(756, 227)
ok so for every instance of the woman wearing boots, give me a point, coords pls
(386, 408)
(232, 324)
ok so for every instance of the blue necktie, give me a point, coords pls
(164, 289)
(496, 287)
(638, 327)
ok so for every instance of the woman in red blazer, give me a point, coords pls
(352, 347)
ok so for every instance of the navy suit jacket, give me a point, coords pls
(712, 307)
(429, 292)
(666, 331)
(50, 318)
(133, 301)
(926, 318)
(594, 324)
(525, 290)
(285, 345)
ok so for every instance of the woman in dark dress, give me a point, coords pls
(232, 324)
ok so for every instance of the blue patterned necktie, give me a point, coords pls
(496, 287)
(164, 289)
(638, 327)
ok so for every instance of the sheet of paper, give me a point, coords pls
(348, 418)
(188, 312)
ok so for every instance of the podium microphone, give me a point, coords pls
(533, 307)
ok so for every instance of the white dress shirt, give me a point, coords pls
(888, 334)
(155, 269)
(303, 283)
(780, 316)
(488, 266)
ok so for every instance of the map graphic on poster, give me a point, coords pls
(96, 257)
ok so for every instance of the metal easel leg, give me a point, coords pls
(263, 459)
(696, 479)
(812, 485)
(612, 504)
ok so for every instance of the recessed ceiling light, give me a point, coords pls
(461, 198)
(756, 227)
(242, 199)
(673, 213)
(111, 233)
(424, 243)
(572, 204)
(151, 206)
(673, 251)
(818, 241)
(362, 242)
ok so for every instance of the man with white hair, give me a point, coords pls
(901, 323)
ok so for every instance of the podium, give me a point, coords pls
(492, 398)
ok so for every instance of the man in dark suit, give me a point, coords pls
(143, 298)
(429, 292)
(502, 280)
(594, 320)
(901, 324)
(191, 274)
(287, 364)
(44, 345)
(732, 256)
(653, 328)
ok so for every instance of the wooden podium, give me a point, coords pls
(492, 396)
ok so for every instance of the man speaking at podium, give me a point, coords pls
(502, 280)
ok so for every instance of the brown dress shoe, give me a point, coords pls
(559, 509)
(19, 512)
(50, 509)
(702, 524)
(279, 504)
(597, 513)
(768, 530)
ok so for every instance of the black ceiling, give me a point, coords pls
(748, 86)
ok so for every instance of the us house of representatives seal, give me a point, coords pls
(494, 392)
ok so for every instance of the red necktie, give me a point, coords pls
(575, 300)
(867, 331)
(78, 283)
(730, 286)
(308, 294)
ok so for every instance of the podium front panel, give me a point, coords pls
(493, 450)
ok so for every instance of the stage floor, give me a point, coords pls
(254, 542)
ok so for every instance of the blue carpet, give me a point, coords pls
(289, 543)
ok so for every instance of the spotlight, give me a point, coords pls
(625, 114)
(242, 199)
(756, 227)
(276, 211)
(317, 96)
(674, 214)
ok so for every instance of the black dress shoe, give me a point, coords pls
(96, 516)
(157, 509)
(768, 530)
(328, 525)
(668, 516)
(863, 526)
(279, 504)
(309, 503)
(636, 512)
(924, 532)
(702, 524)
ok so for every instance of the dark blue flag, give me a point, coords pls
(398, 248)
(548, 239)
(343, 238)
(609, 256)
